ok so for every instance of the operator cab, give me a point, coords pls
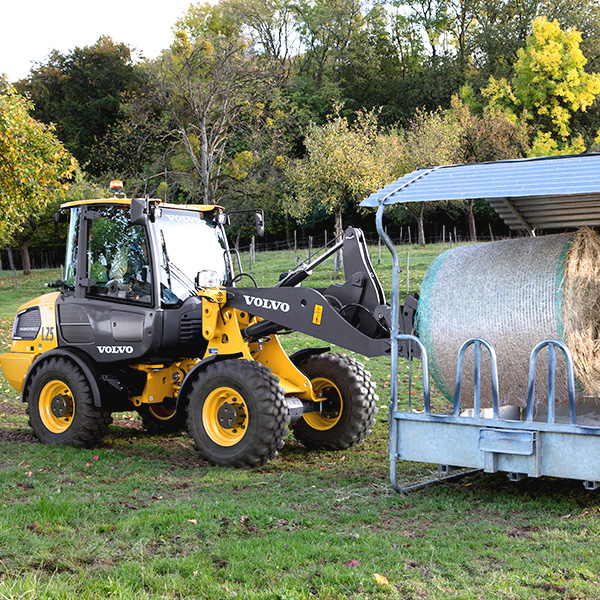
(132, 273)
(160, 263)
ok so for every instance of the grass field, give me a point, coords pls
(144, 517)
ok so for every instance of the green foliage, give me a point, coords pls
(207, 83)
(549, 84)
(431, 139)
(344, 162)
(493, 135)
(33, 165)
(84, 93)
(204, 21)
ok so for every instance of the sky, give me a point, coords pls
(31, 29)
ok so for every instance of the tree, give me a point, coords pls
(84, 93)
(326, 31)
(343, 162)
(253, 175)
(206, 81)
(500, 29)
(432, 17)
(271, 26)
(493, 135)
(33, 166)
(431, 139)
(548, 86)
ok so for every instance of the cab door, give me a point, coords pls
(111, 314)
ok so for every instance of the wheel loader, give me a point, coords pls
(150, 317)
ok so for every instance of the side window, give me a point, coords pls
(117, 258)
(71, 255)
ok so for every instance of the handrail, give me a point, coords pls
(552, 345)
(425, 368)
(477, 342)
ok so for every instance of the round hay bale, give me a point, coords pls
(514, 294)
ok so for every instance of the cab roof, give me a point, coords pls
(159, 203)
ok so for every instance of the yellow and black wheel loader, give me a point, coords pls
(148, 317)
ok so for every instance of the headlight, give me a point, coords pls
(207, 279)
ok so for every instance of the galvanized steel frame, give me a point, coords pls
(493, 444)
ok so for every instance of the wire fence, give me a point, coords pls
(300, 240)
(295, 240)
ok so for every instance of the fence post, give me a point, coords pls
(444, 233)
(310, 242)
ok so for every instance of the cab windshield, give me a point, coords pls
(187, 243)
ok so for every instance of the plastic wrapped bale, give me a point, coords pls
(514, 293)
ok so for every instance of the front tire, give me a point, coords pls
(349, 403)
(60, 405)
(237, 414)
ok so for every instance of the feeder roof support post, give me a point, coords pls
(511, 207)
(393, 335)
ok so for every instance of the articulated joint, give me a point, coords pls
(297, 407)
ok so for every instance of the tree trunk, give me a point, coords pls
(418, 214)
(237, 238)
(471, 219)
(421, 225)
(25, 258)
(11, 263)
(339, 233)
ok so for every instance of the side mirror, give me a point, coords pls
(140, 211)
(61, 217)
(259, 220)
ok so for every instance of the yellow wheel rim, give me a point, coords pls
(225, 416)
(326, 419)
(161, 412)
(56, 406)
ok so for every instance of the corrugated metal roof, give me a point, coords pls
(536, 193)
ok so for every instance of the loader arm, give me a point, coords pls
(353, 315)
(305, 310)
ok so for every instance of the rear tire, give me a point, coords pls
(60, 405)
(162, 418)
(348, 414)
(237, 414)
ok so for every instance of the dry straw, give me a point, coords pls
(514, 293)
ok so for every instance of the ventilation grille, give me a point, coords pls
(75, 325)
(27, 325)
(190, 328)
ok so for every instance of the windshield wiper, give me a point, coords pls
(182, 278)
(172, 269)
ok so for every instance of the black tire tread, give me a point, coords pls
(271, 407)
(91, 424)
(361, 402)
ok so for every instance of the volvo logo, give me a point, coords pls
(184, 219)
(115, 349)
(266, 303)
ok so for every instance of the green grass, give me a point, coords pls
(144, 517)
